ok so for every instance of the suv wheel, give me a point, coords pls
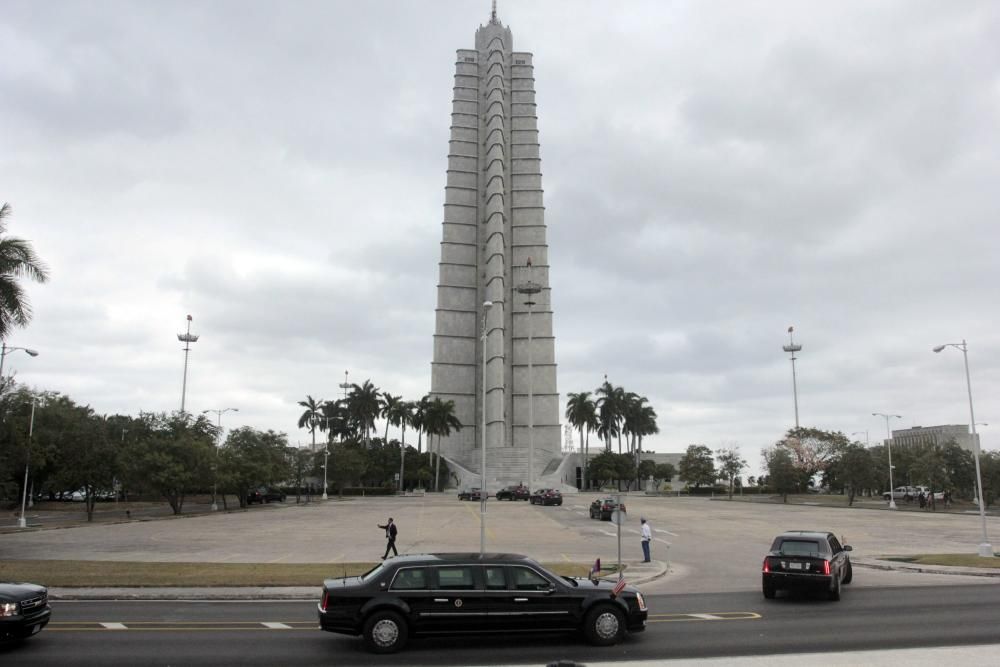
(604, 625)
(385, 632)
(849, 576)
(835, 591)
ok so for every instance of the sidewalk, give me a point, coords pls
(877, 564)
(636, 574)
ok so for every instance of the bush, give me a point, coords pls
(367, 491)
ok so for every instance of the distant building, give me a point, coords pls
(934, 435)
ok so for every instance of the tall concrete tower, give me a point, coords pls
(493, 244)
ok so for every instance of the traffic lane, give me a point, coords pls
(689, 626)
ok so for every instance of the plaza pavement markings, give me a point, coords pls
(715, 616)
(336, 558)
(475, 513)
(660, 530)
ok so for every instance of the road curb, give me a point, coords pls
(875, 564)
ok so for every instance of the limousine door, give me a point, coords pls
(532, 602)
(452, 599)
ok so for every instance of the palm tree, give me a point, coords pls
(336, 420)
(440, 420)
(312, 418)
(386, 406)
(401, 415)
(610, 413)
(363, 406)
(17, 260)
(581, 412)
(420, 419)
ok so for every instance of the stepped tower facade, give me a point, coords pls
(494, 250)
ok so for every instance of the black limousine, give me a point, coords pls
(456, 593)
(24, 610)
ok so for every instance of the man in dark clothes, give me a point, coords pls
(390, 536)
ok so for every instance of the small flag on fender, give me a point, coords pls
(619, 587)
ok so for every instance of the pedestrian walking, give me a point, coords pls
(390, 536)
(647, 536)
(922, 499)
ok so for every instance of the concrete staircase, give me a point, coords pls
(550, 472)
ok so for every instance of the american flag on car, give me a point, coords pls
(619, 587)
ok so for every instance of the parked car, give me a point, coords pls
(24, 610)
(546, 497)
(603, 507)
(265, 495)
(466, 593)
(518, 492)
(806, 559)
(902, 493)
(472, 494)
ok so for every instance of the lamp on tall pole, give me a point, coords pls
(218, 436)
(793, 348)
(23, 522)
(985, 548)
(530, 289)
(888, 446)
(326, 447)
(187, 339)
(5, 350)
(482, 441)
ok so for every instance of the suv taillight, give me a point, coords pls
(326, 598)
(826, 567)
(767, 566)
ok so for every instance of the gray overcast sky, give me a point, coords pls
(714, 172)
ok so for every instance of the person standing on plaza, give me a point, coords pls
(390, 536)
(647, 536)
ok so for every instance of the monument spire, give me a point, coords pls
(493, 14)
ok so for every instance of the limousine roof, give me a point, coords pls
(465, 557)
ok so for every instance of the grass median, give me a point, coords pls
(111, 574)
(952, 560)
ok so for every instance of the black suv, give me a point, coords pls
(513, 493)
(264, 495)
(806, 559)
(603, 507)
(24, 610)
(452, 593)
(546, 497)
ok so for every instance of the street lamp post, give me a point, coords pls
(793, 348)
(187, 339)
(23, 522)
(888, 446)
(985, 548)
(218, 436)
(5, 350)
(530, 289)
(482, 441)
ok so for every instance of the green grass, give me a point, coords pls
(100, 574)
(957, 560)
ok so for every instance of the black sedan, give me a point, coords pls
(801, 559)
(513, 493)
(546, 497)
(603, 507)
(472, 494)
(449, 593)
(265, 495)
(24, 610)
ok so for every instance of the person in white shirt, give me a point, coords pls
(647, 535)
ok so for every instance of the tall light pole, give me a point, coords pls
(482, 441)
(218, 436)
(5, 350)
(530, 289)
(345, 385)
(793, 348)
(326, 447)
(23, 522)
(187, 339)
(985, 548)
(867, 441)
(888, 446)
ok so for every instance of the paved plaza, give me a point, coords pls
(708, 545)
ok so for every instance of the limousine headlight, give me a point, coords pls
(8, 609)
(641, 600)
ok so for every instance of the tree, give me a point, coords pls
(251, 458)
(960, 467)
(351, 465)
(419, 420)
(609, 412)
(731, 464)
(581, 412)
(783, 476)
(363, 406)
(664, 472)
(312, 418)
(812, 449)
(853, 469)
(931, 470)
(386, 406)
(17, 260)
(697, 466)
(440, 420)
(171, 455)
(401, 415)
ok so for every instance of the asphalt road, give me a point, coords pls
(681, 626)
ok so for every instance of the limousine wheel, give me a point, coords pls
(385, 632)
(604, 625)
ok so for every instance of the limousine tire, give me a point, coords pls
(604, 625)
(385, 632)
